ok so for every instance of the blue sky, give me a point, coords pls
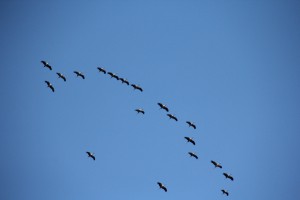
(232, 67)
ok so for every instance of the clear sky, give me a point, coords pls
(230, 66)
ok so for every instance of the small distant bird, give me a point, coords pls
(172, 117)
(91, 155)
(139, 110)
(191, 124)
(228, 176)
(113, 75)
(79, 74)
(216, 164)
(61, 76)
(46, 64)
(136, 87)
(124, 81)
(193, 155)
(161, 186)
(225, 192)
(50, 85)
(101, 70)
(162, 106)
(188, 139)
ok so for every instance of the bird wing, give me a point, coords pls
(194, 126)
(63, 77)
(164, 188)
(44, 62)
(94, 158)
(193, 142)
(48, 83)
(52, 88)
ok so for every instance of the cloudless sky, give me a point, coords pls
(232, 67)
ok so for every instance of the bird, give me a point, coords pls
(50, 85)
(124, 81)
(161, 186)
(92, 155)
(101, 70)
(162, 106)
(225, 192)
(79, 74)
(191, 124)
(228, 176)
(113, 75)
(216, 164)
(190, 140)
(46, 64)
(193, 155)
(172, 117)
(61, 76)
(139, 110)
(136, 87)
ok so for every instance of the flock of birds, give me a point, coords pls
(140, 110)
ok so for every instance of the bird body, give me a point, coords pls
(225, 192)
(228, 176)
(191, 124)
(162, 106)
(91, 155)
(124, 81)
(161, 186)
(60, 75)
(79, 74)
(46, 64)
(112, 75)
(50, 85)
(193, 155)
(216, 164)
(101, 70)
(136, 87)
(190, 140)
(139, 110)
(172, 117)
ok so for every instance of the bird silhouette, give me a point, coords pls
(101, 70)
(216, 164)
(61, 76)
(46, 64)
(193, 155)
(225, 192)
(190, 140)
(79, 74)
(139, 110)
(172, 117)
(162, 106)
(50, 85)
(161, 186)
(136, 87)
(228, 176)
(91, 155)
(191, 124)
(124, 81)
(113, 75)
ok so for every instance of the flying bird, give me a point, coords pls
(193, 155)
(228, 176)
(172, 117)
(188, 139)
(191, 124)
(101, 70)
(139, 110)
(216, 164)
(113, 75)
(61, 76)
(225, 192)
(161, 186)
(50, 85)
(136, 87)
(79, 74)
(162, 106)
(46, 64)
(124, 81)
(91, 155)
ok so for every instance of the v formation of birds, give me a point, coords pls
(140, 110)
